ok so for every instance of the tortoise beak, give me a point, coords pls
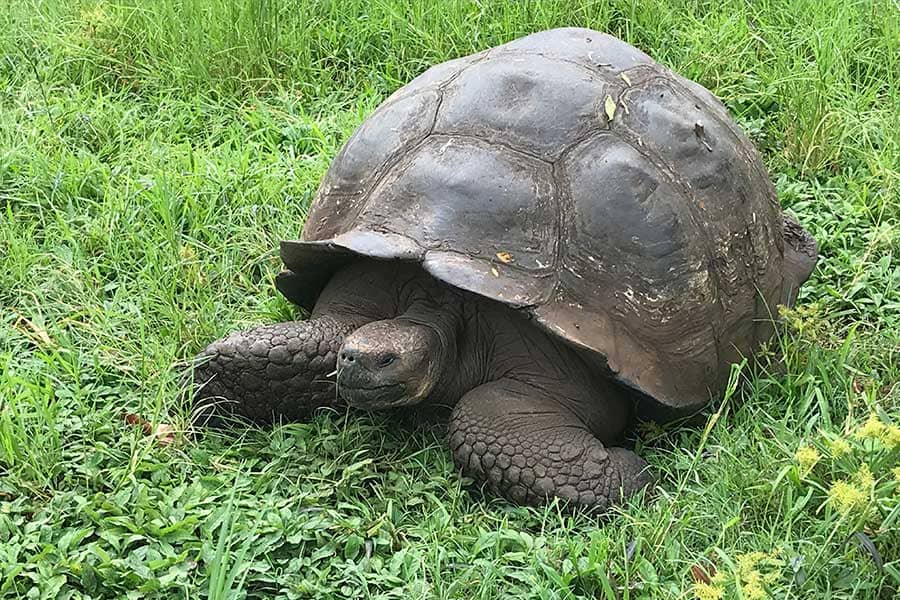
(361, 383)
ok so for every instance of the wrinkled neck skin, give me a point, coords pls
(444, 323)
(428, 328)
(456, 319)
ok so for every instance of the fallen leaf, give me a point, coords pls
(700, 133)
(32, 331)
(701, 575)
(505, 257)
(625, 78)
(495, 272)
(133, 419)
(610, 106)
(163, 432)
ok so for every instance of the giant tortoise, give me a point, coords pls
(542, 236)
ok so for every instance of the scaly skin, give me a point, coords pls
(271, 372)
(529, 448)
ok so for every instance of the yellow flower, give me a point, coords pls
(891, 436)
(806, 458)
(803, 319)
(864, 477)
(771, 578)
(187, 253)
(839, 447)
(720, 578)
(845, 497)
(873, 429)
(94, 14)
(95, 18)
(753, 587)
(704, 591)
(747, 562)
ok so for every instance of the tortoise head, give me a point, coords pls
(801, 253)
(390, 363)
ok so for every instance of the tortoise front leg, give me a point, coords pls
(530, 447)
(269, 373)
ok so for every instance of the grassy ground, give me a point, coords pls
(153, 153)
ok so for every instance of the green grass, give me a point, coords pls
(152, 154)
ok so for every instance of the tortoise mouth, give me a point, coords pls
(374, 397)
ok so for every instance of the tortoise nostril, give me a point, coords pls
(362, 359)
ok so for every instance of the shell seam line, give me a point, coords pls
(564, 212)
(582, 66)
(385, 169)
(397, 157)
(729, 125)
(734, 131)
(484, 140)
(688, 195)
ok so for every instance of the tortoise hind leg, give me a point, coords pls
(528, 447)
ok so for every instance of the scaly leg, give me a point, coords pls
(269, 373)
(528, 447)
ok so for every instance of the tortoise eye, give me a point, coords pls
(387, 359)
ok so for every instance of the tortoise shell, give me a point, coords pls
(568, 175)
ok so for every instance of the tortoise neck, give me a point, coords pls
(451, 315)
(443, 321)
